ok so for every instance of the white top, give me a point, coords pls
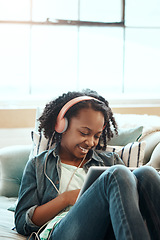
(66, 174)
(76, 183)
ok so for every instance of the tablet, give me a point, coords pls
(93, 173)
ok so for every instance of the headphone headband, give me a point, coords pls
(62, 123)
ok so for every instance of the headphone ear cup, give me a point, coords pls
(61, 125)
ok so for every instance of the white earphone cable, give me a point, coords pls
(45, 165)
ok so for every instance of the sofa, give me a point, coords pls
(138, 144)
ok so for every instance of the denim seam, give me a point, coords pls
(127, 225)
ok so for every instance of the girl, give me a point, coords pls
(118, 205)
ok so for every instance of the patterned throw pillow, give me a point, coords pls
(40, 143)
(132, 154)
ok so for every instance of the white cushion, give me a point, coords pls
(40, 143)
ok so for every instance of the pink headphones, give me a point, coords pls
(62, 122)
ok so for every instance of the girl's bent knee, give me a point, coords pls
(145, 172)
(118, 180)
(120, 171)
(121, 174)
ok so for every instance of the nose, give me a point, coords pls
(90, 141)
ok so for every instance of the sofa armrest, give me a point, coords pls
(155, 158)
(151, 140)
(12, 162)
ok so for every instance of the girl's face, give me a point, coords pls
(82, 134)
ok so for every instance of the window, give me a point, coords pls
(48, 47)
(142, 47)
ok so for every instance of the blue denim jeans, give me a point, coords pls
(118, 200)
(149, 199)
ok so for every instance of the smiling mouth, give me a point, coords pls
(84, 150)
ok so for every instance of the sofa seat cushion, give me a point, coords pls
(7, 230)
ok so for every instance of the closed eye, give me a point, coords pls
(83, 134)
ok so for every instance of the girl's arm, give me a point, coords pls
(49, 210)
(33, 209)
(36, 207)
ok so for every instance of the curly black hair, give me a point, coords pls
(52, 109)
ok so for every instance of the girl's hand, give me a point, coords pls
(47, 211)
(71, 196)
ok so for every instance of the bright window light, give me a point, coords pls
(101, 59)
(98, 44)
(15, 10)
(54, 59)
(14, 59)
(101, 10)
(142, 72)
(143, 13)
